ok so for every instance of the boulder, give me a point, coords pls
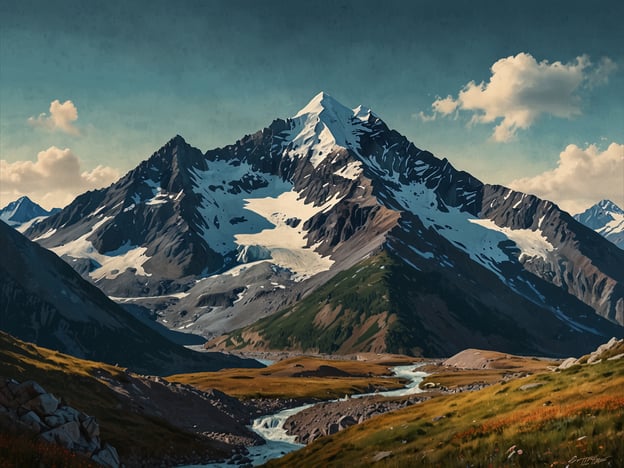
(27, 391)
(381, 455)
(6, 397)
(67, 413)
(612, 343)
(88, 447)
(316, 433)
(54, 420)
(530, 386)
(66, 435)
(107, 457)
(32, 420)
(44, 405)
(91, 427)
(28, 405)
(346, 421)
(567, 363)
(332, 429)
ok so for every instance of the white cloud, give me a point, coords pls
(520, 89)
(61, 118)
(445, 105)
(582, 177)
(54, 180)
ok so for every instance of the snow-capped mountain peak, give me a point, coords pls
(323, 103)
(608, 205)
(22, 211)
(323, 124)
(607, 219)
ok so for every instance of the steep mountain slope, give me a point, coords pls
(148, 419)
(22, 211)
(44, 301)
(214, 242)
(607, 219)
(383, 304)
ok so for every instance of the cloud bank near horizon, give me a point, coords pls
(583, 177)
(53, 180)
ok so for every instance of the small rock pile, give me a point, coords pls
(30, 407)
(596, 356)
(328, 418)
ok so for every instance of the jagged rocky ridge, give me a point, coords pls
(317, 194)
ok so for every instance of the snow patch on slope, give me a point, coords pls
(220, 200)
(286, 244)
(24, 227)
(530, 243)
(615, 226)
(111, 264)
(481, 239)
(351, 171)
(264, 229)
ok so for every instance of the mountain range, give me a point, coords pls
(23, 211)
(329, 231)
(607, 219)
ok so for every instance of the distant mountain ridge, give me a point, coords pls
(23, 210)
(214, 242)
(607, 219)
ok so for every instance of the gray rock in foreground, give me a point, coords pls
(55, 423)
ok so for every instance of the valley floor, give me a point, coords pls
(478, 408)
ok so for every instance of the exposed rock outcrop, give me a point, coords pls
(613, 349)
(28, 406)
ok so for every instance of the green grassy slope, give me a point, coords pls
(82, 385)
(382, 305)
(574, 417)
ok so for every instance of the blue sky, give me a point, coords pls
(137, 73)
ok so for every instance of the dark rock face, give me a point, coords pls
(153, 206)
(584, 265)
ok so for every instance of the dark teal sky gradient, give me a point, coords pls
(140, 72)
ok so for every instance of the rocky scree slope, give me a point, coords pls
(135, 413)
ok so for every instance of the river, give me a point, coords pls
(278, 443)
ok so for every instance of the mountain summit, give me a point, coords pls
(323, 124)
(23, 210)
(607, 219)
(341, 235)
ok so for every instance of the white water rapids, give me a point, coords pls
(278, 443)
